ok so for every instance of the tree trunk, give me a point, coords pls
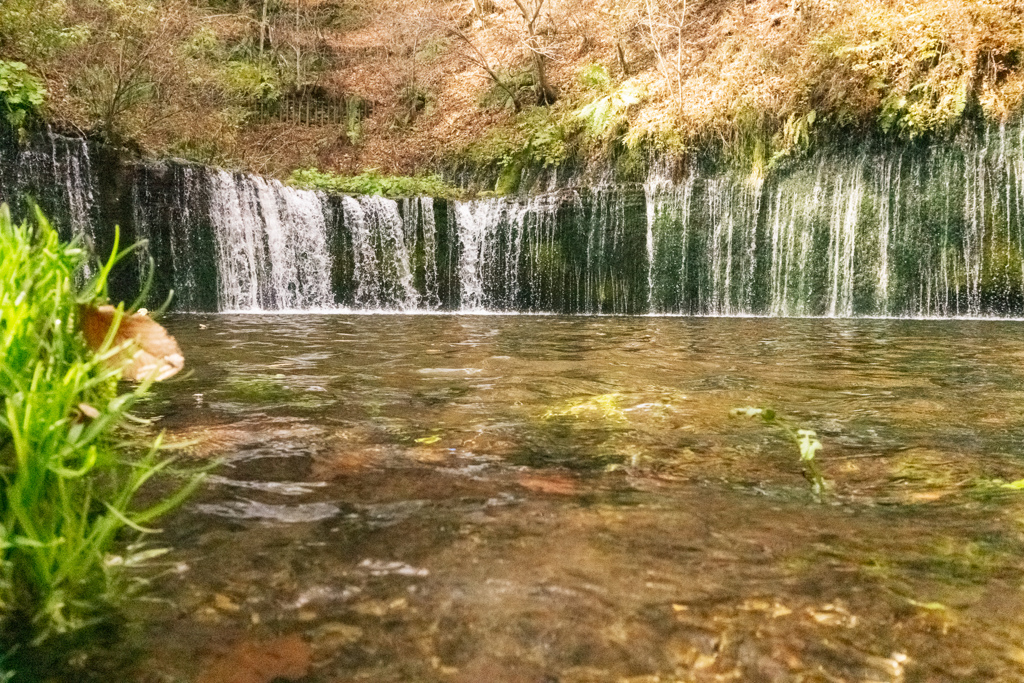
(263, 27)
(621, 53)
(547, 93)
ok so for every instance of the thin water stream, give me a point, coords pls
(541, 498)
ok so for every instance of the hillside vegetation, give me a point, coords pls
(407, 88)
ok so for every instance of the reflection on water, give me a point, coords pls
(469, 499)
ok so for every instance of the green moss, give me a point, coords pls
(509, 178)
(260, 389)
(372, 182)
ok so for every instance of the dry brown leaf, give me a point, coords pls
(153, 352)
(287, 657)
(553, 484)
(88, 410)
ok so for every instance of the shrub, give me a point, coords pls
(250, 82)
(21, 94)
(68, 491)
(38, 29)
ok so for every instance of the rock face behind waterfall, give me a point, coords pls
(925, 231)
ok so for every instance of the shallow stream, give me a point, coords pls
(476, 499)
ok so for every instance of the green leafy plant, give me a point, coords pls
(251, 82)
(595, 77)
(372, 182)
(71, 471)
(606, 112)
(21, 93)
(806, 441)
(795, 138)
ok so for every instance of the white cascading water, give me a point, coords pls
(792, 236)
(419, 223)
(471, 220)
(271, 245)
(492, 236)
(300, 266)
(607, 243)
(75, 171)
(382, 264)
(653, 184)
(887, 189)
(58, 169)
(512, 257)
(240, 253)
(668, 206)
(937, 235)
(172, 207)
(847, 193)
(734, 208)
(186, 281)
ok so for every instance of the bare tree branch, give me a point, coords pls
(481, 60)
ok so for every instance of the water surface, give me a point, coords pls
(520, 498)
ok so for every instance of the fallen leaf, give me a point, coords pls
(88, 411)
(555, 484)
(251, 661)
(152, 353)
(333, 636)
(224, 603)
(833, 615)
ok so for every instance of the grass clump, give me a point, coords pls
(68, 488)
(372, 182)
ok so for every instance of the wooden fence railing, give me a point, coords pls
(312, 110)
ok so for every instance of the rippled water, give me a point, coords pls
(474, 499)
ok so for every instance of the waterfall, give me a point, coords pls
(559, 251)
(847, 193)
(166, 212)
(472, 220)
(381, 246)
(75, 171)
(271, 245)
(505, 252)
(668, 206)
(57, 173)
(915, 232)
(420, 227)
(933, 230)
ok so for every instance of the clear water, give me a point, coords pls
(488, 498)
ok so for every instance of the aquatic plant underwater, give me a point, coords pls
(73, 459)
(806, 441)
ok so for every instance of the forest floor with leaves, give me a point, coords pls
(413, 87)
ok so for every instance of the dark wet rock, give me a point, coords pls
(758, 666)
